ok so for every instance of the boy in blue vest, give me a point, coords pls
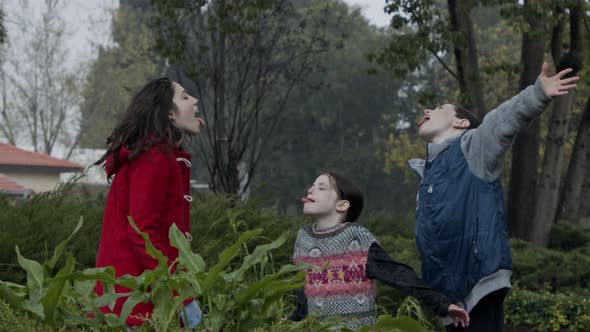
(460, 227)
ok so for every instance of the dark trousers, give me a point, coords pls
(487, 315)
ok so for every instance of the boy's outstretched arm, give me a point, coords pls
(486, 146)
(382, 267)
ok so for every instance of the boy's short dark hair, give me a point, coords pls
(462, 113)
(346, 190)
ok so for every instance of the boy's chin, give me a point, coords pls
(423, 134)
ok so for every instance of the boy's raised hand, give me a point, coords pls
(459, 315)
(555, 85)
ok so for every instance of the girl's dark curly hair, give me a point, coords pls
(146, 122)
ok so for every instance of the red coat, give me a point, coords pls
(154, 190)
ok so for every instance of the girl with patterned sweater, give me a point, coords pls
(354, 258)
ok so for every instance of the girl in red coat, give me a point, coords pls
(150, 177)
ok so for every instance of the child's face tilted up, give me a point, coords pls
(440, 123)
(322, 200)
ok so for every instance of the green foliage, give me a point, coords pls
(38, 224)
(538, 268)
(218, 225)
(339, 121)
(18, 321)
(217, 221)
(546, 311)
(233, 298)
(420, 30)
(568, 237)
(401, 148)
(118, 72)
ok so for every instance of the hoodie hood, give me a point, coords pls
(124, 153)
(110, 167)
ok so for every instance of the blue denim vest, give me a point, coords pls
(460, 228)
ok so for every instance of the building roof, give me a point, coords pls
(9, 186)
(10, 155)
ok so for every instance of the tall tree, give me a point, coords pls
(45, 91)
(243, 59)
(422, 30)
(7, 125)
(525, 150)
(339, 121)
(570, 207)
(466, 56)
(550, 179)
(119, 71)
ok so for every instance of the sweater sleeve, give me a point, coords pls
(485, 147)
(148, 179)
(382, 267)
(300, 311)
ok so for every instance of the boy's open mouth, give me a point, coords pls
(424, 119)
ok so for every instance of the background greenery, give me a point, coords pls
(550, 285)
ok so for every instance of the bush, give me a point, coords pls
(38, 224)
(247, 296)
(538, 268)
(546, 311)
(216, 222)
(18, 321)
(568, 237)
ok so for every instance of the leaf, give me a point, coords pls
(226, 256)
(50, 264)
(163, 301)
(104, 274)
(34, 307)
(35, 276)
(192, 261)
(262, 284)
(74, 318)
(55, 290)
(108, 300)
(13, 294)
(274, 293)
(113, 320)
(132, 282)
(257, 256)
(135, 298)
(149, 246)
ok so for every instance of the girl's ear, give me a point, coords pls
(342, 206)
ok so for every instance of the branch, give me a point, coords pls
(444, 64)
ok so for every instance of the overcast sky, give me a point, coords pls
(373, 10)
(89, 21)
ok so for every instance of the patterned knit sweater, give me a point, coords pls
(343, 288)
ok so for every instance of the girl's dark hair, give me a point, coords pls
(346, 190)
(462, 113)
(146, 122)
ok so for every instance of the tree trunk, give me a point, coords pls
(549, 181)
(466, 57)
(571, 197)
(525, 151)
(549, 184)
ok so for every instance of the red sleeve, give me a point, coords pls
(148, 180)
